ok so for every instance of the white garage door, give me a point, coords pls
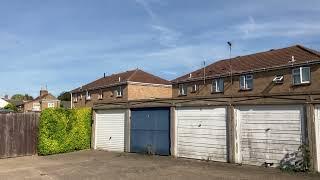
(268, 133)
(109, 130)
(317, 127)
(201, 133)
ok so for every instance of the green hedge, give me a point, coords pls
(64, 130)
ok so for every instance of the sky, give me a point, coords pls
(63, 44)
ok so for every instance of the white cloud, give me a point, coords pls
(288, 28)
(167, 37)
(147, 8)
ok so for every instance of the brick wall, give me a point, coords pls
(108, 95)
(136, 91)
(130, 92)
(262, 84)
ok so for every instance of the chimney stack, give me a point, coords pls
(43, 92)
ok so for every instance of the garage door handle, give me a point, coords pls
(110, 138)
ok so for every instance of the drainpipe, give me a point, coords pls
(71, 100)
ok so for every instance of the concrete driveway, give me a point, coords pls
(106, 165)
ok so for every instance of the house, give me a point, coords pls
(3, 103)
(43, 101)
(19, 104)
(254, 109)
(266, 97)
(125, 86)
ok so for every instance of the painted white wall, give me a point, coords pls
(3, 103)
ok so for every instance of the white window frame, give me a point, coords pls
(246, 78)
(36, 106)
(183, 90)
(300, 70)
(51, 104)
(194, 88)
(119, 91)
(88, 95)
(215, 86)
(100, 96)
(75, 98)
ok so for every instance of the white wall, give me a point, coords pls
(3, 103)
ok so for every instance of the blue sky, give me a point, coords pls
(66, 43)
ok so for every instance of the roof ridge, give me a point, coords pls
(309, 50)
(134, 73)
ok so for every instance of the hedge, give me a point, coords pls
(64, 130)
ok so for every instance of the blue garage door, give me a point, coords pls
(150, 131)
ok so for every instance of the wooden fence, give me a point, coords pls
(18, 134)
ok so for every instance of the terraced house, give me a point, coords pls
(121, 87)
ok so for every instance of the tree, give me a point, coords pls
(17, 97)
(11, 107)
(64, 96)
(21, 97)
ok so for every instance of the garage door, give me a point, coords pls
(109, 130)
(150, 131)
(201, 133)
(268, 133)
(317, 127)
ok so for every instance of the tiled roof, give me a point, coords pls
(136, 75)
(48, 96)
(268, 59)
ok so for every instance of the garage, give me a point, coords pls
(202, 133)
(150, 131)
(268, 133)
(109, 130)
(317, 130)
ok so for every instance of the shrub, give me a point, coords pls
(11, 107)
(64, 130)
(298, 161)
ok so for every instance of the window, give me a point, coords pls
(88, 95)
(51, 105)
(100, 96)
(194, 88)
(75, 98)
(36, 106)
(119, 91)
(182, 89)
(246, 82)
(217, 85)
(301, 75)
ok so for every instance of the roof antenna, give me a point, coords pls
(204, 72)
(230, 65)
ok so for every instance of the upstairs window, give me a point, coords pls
(217, 85)
(50, 104)
(194, 88)
(88, 95)
(246, 82)
(119, 91)
(75, 98)
(301, 75)
(100, 96)
(182, 89)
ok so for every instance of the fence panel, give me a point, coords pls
(18, 134)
